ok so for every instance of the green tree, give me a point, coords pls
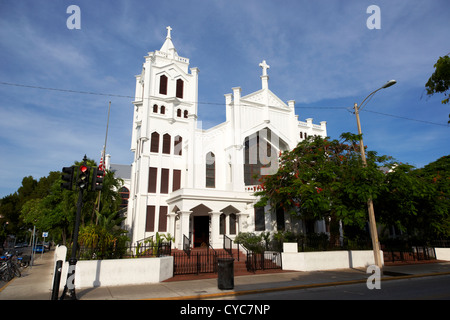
(417, 201)
(54, 209)
(439, 82)
(325, 179)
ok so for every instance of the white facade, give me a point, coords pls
(198, 183)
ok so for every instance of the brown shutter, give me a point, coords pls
(162, 226)
(152, 178)
(176, 180)
(166, 144)
(180, 84)
(164, 181)
(154, 144)
(150, 221)
(163, 84)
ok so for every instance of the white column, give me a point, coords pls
(184, 226)
(171, 229)
(216, 241)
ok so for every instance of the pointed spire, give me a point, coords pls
(168, 46)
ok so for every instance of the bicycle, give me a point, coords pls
(9, 268)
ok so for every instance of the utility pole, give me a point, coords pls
(372, 222)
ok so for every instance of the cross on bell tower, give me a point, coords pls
(168, 32)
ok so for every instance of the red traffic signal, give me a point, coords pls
(83, 176)
(97, 179)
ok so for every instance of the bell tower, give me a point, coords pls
(164, 119)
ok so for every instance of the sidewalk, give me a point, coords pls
(36, 283)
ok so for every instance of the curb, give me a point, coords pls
(296, 287)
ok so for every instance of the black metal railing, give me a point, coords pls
(414, 253)
(228, 245)
(186, 245)
(140, 250)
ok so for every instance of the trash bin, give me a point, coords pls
(225, 279)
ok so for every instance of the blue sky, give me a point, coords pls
(321, 54)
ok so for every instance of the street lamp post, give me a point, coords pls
(372, 222)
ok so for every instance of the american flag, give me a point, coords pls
(100, 166)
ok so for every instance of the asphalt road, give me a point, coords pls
(424, 288)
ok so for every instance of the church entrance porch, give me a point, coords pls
(201, 231)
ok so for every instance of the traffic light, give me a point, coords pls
(97, 179)
(67, 178)
(83, 177)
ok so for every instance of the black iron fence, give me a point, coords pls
(263, 261)
(141, 250)
(414, 253)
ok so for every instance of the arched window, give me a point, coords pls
(177, 146)
(166, 144)
(232, 223)
(185, 114)
(155, 108)
(163, 110)
(154, 144)
(180, 85)
(301, 135)
(163, 84)
(178, 112)
(124, 195)
(222, 226)
(210, 170)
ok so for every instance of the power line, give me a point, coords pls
(406, 118)
(131, 97)
(207, 103)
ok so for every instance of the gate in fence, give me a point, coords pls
(197, 261)
(263, 261)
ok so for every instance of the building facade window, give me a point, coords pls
(180, 85)
(154, 143)
(222, 223)
(150, 219)
(260, 224)
(162, 224)
(179, 113)
(176, 183)
(163, 110)
(177, 146)
(163, 84)
(152, 179)
(164, 181)
(155, 108)
(210, 170)
(124, 195)
(166, 144)
(233, 223)
(280, 219)
(185, 114)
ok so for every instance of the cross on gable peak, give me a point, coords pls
(264, 66)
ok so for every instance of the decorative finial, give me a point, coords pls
(264, 66)
(168, 32)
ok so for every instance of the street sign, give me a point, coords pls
(44, 234)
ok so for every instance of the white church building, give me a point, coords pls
(197, 183)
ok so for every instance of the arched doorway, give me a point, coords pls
(200, 226)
